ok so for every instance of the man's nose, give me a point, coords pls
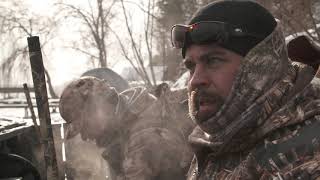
(199, 78)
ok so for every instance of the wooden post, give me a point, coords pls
(38, 76)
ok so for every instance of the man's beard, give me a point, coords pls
(196, 97)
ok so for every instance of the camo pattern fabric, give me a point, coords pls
(142, 137)
(266, 128)
(154, 142)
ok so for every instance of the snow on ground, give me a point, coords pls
(20, 113)
(15, 113)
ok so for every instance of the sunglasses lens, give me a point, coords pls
(178, 35)
(201, 32)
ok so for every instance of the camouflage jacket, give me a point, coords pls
(153, 139)
(268, 127)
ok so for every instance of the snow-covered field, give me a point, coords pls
(20, 113)
(17, 113)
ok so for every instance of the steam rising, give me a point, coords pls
(89, 160)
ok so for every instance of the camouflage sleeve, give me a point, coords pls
(309, 169)
(150, 152)
(296, 154)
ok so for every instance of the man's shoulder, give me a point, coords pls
(295, 146)
(138, 99)
(157, 147)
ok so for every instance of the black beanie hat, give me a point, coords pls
(245, 14)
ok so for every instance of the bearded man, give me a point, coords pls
(257, 113)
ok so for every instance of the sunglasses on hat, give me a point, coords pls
(206, 31)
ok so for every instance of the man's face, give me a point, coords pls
(212, 72)
(99, 116)
(85, 103)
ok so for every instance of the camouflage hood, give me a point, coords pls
(265, 83)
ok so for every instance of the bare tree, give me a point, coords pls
(296, 16)
(149, 34)
(170, 13)
(136, 56)
(160, 15)
(96, 19)
(16, 24)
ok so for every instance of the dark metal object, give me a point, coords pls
(13, 166)
(39, 82)
(112, 78)
(304, 50)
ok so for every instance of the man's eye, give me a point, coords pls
(189, 65)
(213, 61)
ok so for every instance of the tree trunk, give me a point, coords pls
(102, 59)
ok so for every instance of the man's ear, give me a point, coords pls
(161, 89)
(113, 96)
(302, 49)
(71, 130)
